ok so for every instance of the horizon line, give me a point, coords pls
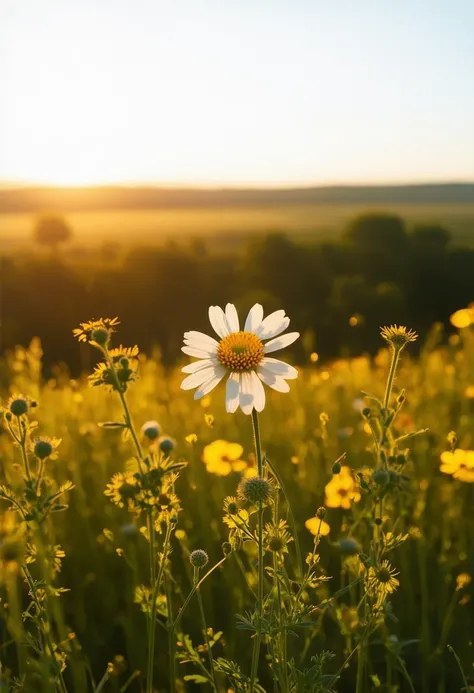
(289, 185)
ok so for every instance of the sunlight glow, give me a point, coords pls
(202, 92)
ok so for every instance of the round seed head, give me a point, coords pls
(166, 445)
(101, 336)
(349, 546)
(198, 558)
(276, 544)
(336, 468)
(321, 513)
(381, 477)
(19, 406)
(151, 430)
(43, 449)
(255, 490)
(233, 508)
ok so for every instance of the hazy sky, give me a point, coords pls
(236, 91)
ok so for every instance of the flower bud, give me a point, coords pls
(349, 546)
(151, 430)
(321, 513)
(381, 477)
(255, 490)
(100, 336)
(226, 548)
(43, 449)
(198, 558)
(166, 445)
(336, 468)
(19, 406)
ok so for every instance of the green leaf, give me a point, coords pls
(111, 424)
(197, 678)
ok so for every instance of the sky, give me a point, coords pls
(236, 92)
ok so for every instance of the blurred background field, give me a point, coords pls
(105, 553)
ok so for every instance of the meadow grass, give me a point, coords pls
(101, 622)
(311, 222)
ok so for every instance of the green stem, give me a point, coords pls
(171, 638)
(46, 631)
(154, 597)
(206, 635)
(391, 377)
(193, 590)
(23, 449)
(258, 635)
(126, 410)
(257, 443)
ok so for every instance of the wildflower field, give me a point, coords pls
(303, 530)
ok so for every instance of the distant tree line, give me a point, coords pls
(337, 294)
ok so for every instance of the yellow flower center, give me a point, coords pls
(240, 351)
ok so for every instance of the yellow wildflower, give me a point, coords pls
(342, 490)
(460, 464)
(222, 458)
(462, 580)
(317, 526)
(463, 318)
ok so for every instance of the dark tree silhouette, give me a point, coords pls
(51, 230)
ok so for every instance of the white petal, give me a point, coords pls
(258, 392)
(198, 378)
(246, 393)
(218, 321)
(232, 393)
(194, 338)
(273, 325)
(210, 384)
(210, 349)
(194, 351)
(197, 366)
(281, 342)
(232, 317)
(273, 381)
(280, 368)
(254, 318)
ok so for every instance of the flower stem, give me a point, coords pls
(46, 630)
(206, 634)
(258, 635)
(154, 597)
(391, 377)
(171, 638)
(126, 410)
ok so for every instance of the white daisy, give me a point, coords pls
(242, 354)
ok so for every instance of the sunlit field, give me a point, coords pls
(372, 592)
(233, 226)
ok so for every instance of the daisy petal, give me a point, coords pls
(197, 339)
(218, 321)
(254, 318)
(277, 367)
(258, 392)
(274, 324)
(273, 381)
(210, 384)
(246, 393)
(194, 351)
(198, 378)
(281, 342)
(232, 317)
(232, 393)
(202, 346)
(197, 366)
